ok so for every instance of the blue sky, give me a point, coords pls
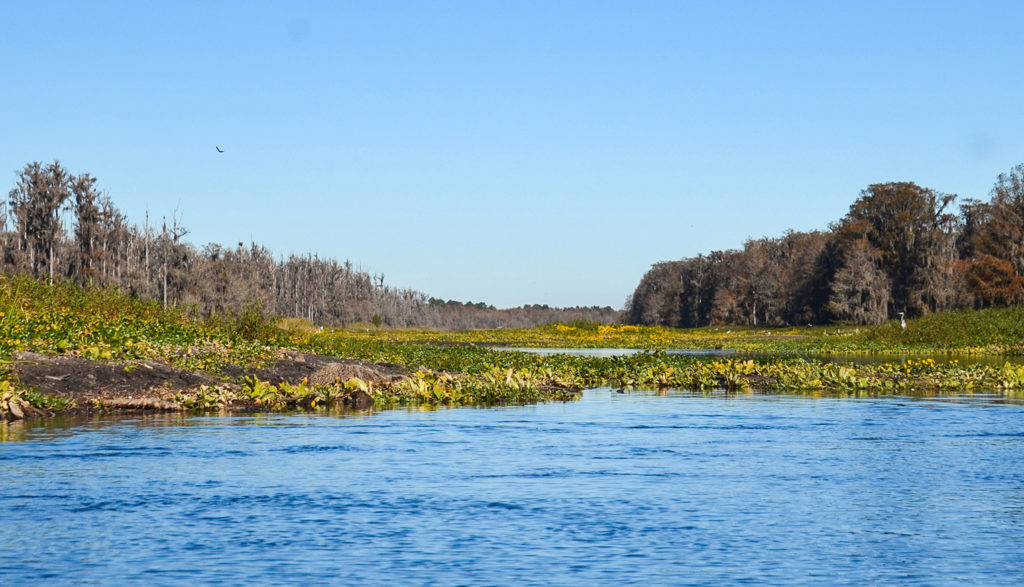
(510, 152)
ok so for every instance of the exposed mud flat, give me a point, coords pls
(149, 385)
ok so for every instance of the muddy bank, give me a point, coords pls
(94, 386)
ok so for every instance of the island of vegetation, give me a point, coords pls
(101, 316)
(71, 349)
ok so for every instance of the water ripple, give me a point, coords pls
(638, 489)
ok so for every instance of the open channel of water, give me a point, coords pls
(858, 358)
(614, 489)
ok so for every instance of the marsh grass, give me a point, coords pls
(103, 323)
(459, 368)
(997, 330)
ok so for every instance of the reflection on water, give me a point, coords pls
(671, 488)
(857, 358)
(612, 352)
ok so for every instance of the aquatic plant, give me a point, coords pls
(17, 403)
(206, 397)
(263, 392)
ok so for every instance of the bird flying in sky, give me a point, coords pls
(219, 150)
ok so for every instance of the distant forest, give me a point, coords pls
(59, 226)
(900, 248)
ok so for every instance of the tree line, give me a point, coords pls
(900, 248)
(56, 225)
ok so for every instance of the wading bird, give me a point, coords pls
(903, 321)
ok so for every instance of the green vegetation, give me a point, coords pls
(104, 324)
(660, 370)
(461, 369)
(993, 331)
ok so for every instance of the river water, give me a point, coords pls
(856, 358)
(614, 489)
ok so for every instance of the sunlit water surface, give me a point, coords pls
(857, 358)
(616, 488)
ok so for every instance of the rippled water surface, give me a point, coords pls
(616, 488)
